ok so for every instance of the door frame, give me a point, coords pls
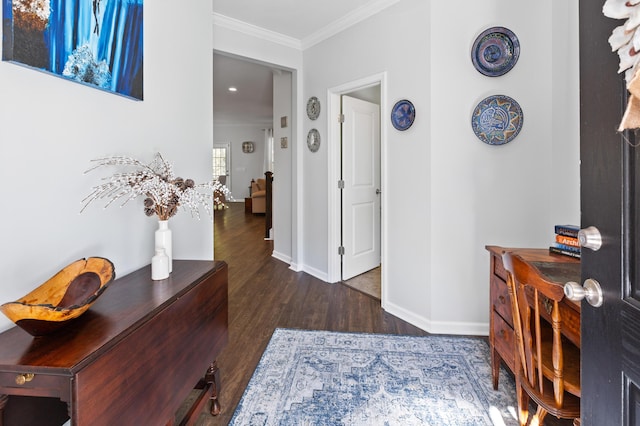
(333, 160)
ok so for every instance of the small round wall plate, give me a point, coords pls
(497, 120)
(313, 108)
(495, 51)
(313, 140)
(403, 114)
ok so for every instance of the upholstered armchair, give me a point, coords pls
(259, 196)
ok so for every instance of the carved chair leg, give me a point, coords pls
(523, 404)
(210, 377)
(538, 419)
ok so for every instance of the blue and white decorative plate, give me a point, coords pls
(403, 114)
(495, 51)
(497, 120)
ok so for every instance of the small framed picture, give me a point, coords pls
(283, 121)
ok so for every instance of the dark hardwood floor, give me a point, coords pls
(265, 294)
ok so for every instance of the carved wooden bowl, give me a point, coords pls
(63, 297)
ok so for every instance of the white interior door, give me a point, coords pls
(361, 192)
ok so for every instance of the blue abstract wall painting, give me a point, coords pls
(98, 43)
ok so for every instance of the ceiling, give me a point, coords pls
(252, 103)
(301, 22)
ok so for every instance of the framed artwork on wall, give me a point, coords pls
(247, 147)
(98, 43)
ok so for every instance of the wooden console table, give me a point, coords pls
(554, 267)
(133, 357)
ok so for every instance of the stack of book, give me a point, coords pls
(566, 242)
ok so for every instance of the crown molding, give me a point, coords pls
(337, 26)
(261, 124)
(255, 31)
(348, 20)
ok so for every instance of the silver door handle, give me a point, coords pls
(591, 291)
(590, 238)
(378, 192)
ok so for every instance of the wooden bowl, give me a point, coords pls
(63, 297)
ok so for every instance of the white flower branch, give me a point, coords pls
(156, 181)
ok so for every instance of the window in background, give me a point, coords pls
(221, 163)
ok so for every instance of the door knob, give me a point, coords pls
(591, 291)
(378, 192)
(590, 238)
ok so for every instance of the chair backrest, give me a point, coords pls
(542, 350)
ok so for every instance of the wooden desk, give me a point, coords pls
(134, 356)
(556, 268)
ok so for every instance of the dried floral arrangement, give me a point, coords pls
(163, 191)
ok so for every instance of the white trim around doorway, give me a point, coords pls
(333, 153)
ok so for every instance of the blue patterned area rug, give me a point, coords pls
(328, 378)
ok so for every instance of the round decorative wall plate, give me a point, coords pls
(313, 108)
(495, 51)
(313, 140)
(403, 114)
(497, 120)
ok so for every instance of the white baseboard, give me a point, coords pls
(438, 327)
(282, 257)
(321, 275)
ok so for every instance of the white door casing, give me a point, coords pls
(361, 213)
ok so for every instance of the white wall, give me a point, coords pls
(283, 167)
(394, 41)
(506, 194)
(52, 128)
(244, 166)
(446, 194)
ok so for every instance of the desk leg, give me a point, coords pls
(3, 403)
(210, 377)
(495, 367)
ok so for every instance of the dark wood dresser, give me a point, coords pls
(132, 358)
(554, 267)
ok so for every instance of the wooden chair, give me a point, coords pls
(547, 366)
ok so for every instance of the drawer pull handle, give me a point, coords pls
(21, 379)
(502, 300)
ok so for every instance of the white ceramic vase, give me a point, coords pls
(159, 265)
(163, 240)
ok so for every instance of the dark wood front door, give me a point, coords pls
(608, 178)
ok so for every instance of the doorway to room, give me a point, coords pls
(356, 169)
(249, 97)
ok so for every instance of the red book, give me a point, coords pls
(568, 241)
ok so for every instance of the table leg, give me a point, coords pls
(3, 403)
(495, 367)
(210, 377)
